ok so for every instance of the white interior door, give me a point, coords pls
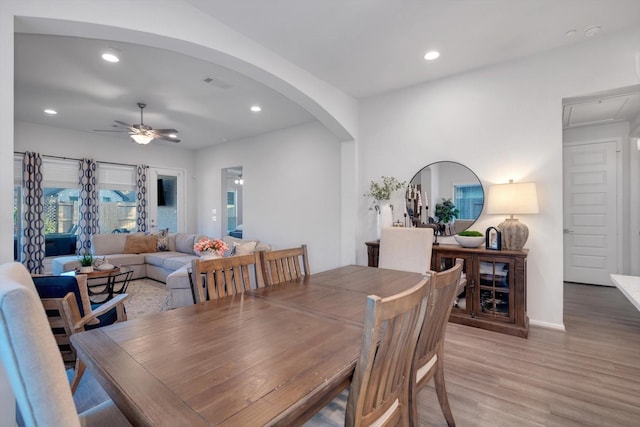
(590, 212)
(166, 200)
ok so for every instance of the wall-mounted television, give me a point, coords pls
(161, 199)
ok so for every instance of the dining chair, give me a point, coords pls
(379, 391)
(284, 265)
(429, 355)
(32, 360)
(220, 277)
(406, 249)
(69, 311)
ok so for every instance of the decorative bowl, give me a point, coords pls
(469, 241)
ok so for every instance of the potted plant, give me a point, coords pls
(86, 263)
(446, 211)
(469, 238)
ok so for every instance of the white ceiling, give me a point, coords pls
(363, 47)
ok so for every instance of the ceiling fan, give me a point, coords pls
(144, 134)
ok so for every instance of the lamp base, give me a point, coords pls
(514, 234)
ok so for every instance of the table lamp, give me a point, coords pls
(511, 199)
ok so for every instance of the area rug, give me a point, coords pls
(146, 296)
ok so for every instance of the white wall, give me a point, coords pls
(292, 190)
(503, 122)
(48, 140)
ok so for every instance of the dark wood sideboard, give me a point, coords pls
(495, 297)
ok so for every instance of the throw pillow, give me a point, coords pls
(244, 248)
(163, 240)
(138, 244)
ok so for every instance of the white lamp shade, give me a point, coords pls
(513, 198)
(141, 138)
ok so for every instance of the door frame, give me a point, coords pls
(619, 211)
(152, 177)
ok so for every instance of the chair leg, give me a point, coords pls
(413, 404)
(78, 372)
(441, 391)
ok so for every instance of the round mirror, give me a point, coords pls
(447, 194)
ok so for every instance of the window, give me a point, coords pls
(117, 202)
(117, 198)
(232, 210)
(468, 199)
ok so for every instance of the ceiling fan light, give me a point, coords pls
(142, 139)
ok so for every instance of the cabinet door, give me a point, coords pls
(463, 303)
(495, 297)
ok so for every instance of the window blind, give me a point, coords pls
(116, 177)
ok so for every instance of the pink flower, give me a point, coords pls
(208, 245)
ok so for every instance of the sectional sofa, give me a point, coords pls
(165, 258)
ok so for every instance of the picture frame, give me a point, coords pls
(493, 239)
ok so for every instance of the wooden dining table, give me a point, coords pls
(268, 357)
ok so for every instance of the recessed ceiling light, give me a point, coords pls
(50, 111)
(256, 108)
(570, 33)
(111, 55)
(431, 55)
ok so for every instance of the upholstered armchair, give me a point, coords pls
(32, 360)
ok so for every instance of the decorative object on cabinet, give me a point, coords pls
(495, 294)
(444, 180)
(513, 198)
(469, 238)
(380, 193)
(493, 239)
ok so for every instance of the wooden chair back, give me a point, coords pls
(220, 277)
(429, 355)
(284, 265)
(380, 387)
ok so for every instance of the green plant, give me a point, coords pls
(470, 233)
(382, 191)
(446, 211)
(86, 260)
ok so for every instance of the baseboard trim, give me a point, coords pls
(547, 325)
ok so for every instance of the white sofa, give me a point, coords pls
(169, 266)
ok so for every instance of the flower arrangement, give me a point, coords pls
(210, 245)
(382, 191)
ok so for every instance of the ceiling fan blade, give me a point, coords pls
(166, 138)
(165, 131)
(127, 125)
(109, 130)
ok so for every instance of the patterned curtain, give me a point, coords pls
(33, 245)
(88, 223)
(141, 194)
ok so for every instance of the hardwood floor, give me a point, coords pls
(586, 376)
